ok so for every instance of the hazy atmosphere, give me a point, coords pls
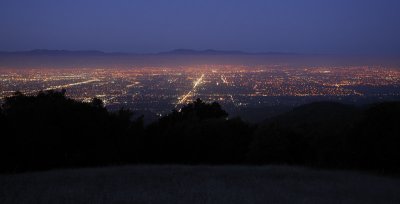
(142, 26)
(206, 101)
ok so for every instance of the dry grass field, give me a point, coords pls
(197, 184)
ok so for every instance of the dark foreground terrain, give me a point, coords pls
(198, 184)
(50, 130)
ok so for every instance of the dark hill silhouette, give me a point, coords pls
(309, 134)
(375, 138)
(50, 130)
(317, 112)
(329, 134)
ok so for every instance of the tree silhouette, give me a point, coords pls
(203, 110)
(50, 130)
(97, 103)
(198, 133)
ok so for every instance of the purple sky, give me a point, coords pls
(304, 26)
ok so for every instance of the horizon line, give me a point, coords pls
(187, 51)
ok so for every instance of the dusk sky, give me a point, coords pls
(303, 26)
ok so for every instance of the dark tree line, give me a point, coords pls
(50, 130)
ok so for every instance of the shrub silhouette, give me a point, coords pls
(50, 130)
(199, 133)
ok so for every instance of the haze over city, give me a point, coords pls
(211, 101)
(141, 26)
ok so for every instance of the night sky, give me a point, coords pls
(303, 26)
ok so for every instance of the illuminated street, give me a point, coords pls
(159, 90)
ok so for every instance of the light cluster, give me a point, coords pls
(160, 89)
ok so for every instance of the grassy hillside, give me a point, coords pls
(197, 184)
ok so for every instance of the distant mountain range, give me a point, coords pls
(59, 52)
(172, 52)
(43, 58)
(219, 52)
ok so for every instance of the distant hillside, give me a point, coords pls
(180, 57)
(46, 52)
(99, 59)
(317, 112)
(219, 52)
(332, 135)
(172, 52)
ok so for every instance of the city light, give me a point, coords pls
(161, 89)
